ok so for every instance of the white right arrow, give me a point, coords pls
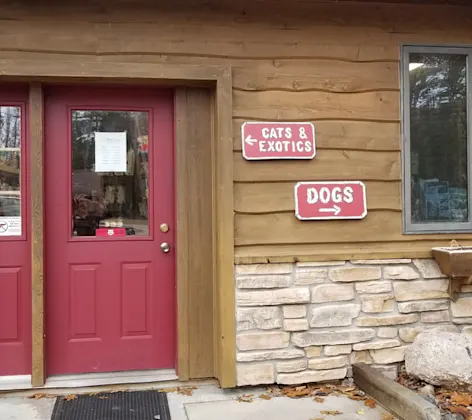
(335, 209)
(250, 140)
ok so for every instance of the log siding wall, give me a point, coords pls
(336, 65)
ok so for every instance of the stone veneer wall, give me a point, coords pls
(307, 322)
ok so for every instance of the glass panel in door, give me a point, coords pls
(110, 173)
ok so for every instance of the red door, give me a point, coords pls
(15, 244)
(110, 289)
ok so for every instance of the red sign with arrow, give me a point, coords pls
(330, 200)
(278, 140)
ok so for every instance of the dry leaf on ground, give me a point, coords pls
(245, 398)
(319, 400)
(387, 416)
(459, 410)
(265, 397)
(461, 399)
(187, 391)
(370, 403)
(297, 392)
(361, 412)
(331, 412)
(38, 396)
(175, 389)
(70, 397)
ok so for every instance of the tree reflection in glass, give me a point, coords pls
(114, 201)
(10, 144)
(438, 137)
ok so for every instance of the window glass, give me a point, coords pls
(10, 187)
(438, 138)
(110, 173)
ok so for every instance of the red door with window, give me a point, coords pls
(15, 244)
(110, 288)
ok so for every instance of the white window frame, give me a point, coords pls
(437, 227)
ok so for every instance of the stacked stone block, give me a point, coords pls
(309, 322)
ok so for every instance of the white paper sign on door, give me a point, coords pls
(110, 152)
(10, 226)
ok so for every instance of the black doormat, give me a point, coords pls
(139, 405)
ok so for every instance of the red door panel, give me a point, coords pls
(110, 295)
(15, 273)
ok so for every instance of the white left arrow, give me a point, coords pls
(250, 140)
(335, 209)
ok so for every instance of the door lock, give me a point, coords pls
(164, 227)
(165, 247)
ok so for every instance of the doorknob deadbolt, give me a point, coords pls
(165, 247)
(164, 227)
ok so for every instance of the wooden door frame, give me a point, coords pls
(218, 78)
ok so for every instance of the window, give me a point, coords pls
(436, 150)
(10, 185)
(110, 173)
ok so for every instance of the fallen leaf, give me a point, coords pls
(370, 403)
(297, 392)
(187, 391)
(319, 400)
(459, 410)
(361, 412)
(275, 391)
(356, 397)
(264, 397)
(461, 399)
(175, 389)
(70, 397)
(38, 396)
(245, 398)
(331, 412)
(387, 416)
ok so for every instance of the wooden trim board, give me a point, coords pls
(217, 77)
(182, 268)
(225, 233)
(195, 232)
(36, 141)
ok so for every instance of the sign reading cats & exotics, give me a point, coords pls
(278, 140)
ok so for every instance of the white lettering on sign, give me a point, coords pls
(284, 146)
(330, 200)
(278, 140)
(325, 195)
(277, 133)
(348, 195)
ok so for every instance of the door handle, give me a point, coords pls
(165, 247)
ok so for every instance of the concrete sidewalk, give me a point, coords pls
(212, 403)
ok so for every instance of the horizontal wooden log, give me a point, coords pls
(211, 36)
(276, 197)
(314, 13)
(186, 40)
(342, 251)
(251, 73)
(285, 228)
(323, 75)
(350, 135)
(328, 165)
(377, 106)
